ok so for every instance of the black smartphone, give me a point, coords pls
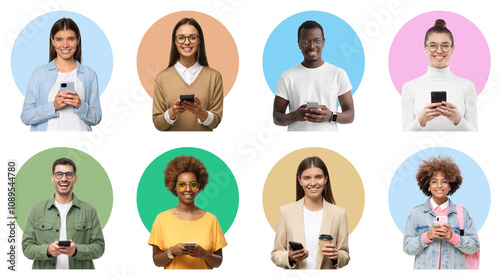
(438, 96)
(64, 243)
(295, 245)
(187, 97)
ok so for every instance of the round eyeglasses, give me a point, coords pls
(433, 47)
(193, 38)
(316, 42)
(181, 186)
(60, 174)
(436, 182)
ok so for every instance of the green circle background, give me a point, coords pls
(33, 183)
(220, 196)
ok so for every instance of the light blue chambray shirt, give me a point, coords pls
(420, 221)
(37, 109)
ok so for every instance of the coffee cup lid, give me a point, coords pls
(325, 237)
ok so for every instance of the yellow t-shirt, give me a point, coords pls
(168, 231)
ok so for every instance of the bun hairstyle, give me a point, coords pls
(439, 27)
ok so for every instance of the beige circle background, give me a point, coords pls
(347, 186)
(154, 51)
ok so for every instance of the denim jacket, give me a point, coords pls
(82, 226)
(420, 221)
(37, 109)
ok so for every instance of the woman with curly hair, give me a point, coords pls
(186, 236)
(437, 244)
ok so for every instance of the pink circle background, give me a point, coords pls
(471, 57)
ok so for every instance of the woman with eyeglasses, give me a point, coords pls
(312, 220)
(432, 233)
(63, 95)
(455, 104)
(186, 236)
(187, 73)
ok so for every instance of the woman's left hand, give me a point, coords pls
(330, 251)
(197, 251)
(195, 108)
(71, 98)
(450, 111)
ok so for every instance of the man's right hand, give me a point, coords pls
(300, 113)
(53, 249)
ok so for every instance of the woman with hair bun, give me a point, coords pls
(186, 236)
(459, 111)
(439, 244)
(48, 106)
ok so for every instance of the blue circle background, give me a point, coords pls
(342, 47)
(474, 193)
(31, 48)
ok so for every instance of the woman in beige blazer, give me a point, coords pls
(315, 202)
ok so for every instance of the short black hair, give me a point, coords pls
(310, 24)
(64, 161)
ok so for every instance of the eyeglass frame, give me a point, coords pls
(73, 174)
(439, 46)
(442, 182)
(309, 42)
(187, 37)
(195, 188)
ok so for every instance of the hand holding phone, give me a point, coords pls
(187, 97)
(67, 86)
(438, 97)
(295, 245)
(65, 243)
(189, 244)
(312, 105)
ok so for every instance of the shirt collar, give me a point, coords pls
(193, 69)
(442, 206)
(52, 66)
(52, 201)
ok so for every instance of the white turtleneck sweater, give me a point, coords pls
(459, 91)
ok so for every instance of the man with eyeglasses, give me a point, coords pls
(63, 232)
(312, 88)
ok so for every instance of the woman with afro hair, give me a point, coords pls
(439, 245)
(186, 237)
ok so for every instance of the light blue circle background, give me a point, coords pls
(342, 47)
(31, 48)
(473, 194)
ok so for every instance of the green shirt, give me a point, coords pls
(82, 226)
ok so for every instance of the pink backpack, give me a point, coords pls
(472, 260)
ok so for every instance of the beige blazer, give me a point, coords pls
(291, 228)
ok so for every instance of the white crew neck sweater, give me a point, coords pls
(460, 92)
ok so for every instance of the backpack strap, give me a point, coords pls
(460, 213)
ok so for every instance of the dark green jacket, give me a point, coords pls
(82, 226)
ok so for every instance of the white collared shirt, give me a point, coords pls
(442, 206)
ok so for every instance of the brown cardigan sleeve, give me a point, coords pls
(216, 101)
(159, 106)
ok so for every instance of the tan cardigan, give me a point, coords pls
(169, 85)
(291, 228)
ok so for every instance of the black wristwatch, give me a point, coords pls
(334, 117)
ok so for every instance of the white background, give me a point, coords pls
(126, 141)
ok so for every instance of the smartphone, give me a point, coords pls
(187, 97)
(295, 245)
(67, 86)
(64, 243)
(312, 105)
(189, 244)
(438, 96)
(441, 220)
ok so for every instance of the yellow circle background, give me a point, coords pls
(347, 186)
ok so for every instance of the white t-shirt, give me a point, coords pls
(323, 85)
(312, 226)
(459, 91)
(63, 260)
(67, 120)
